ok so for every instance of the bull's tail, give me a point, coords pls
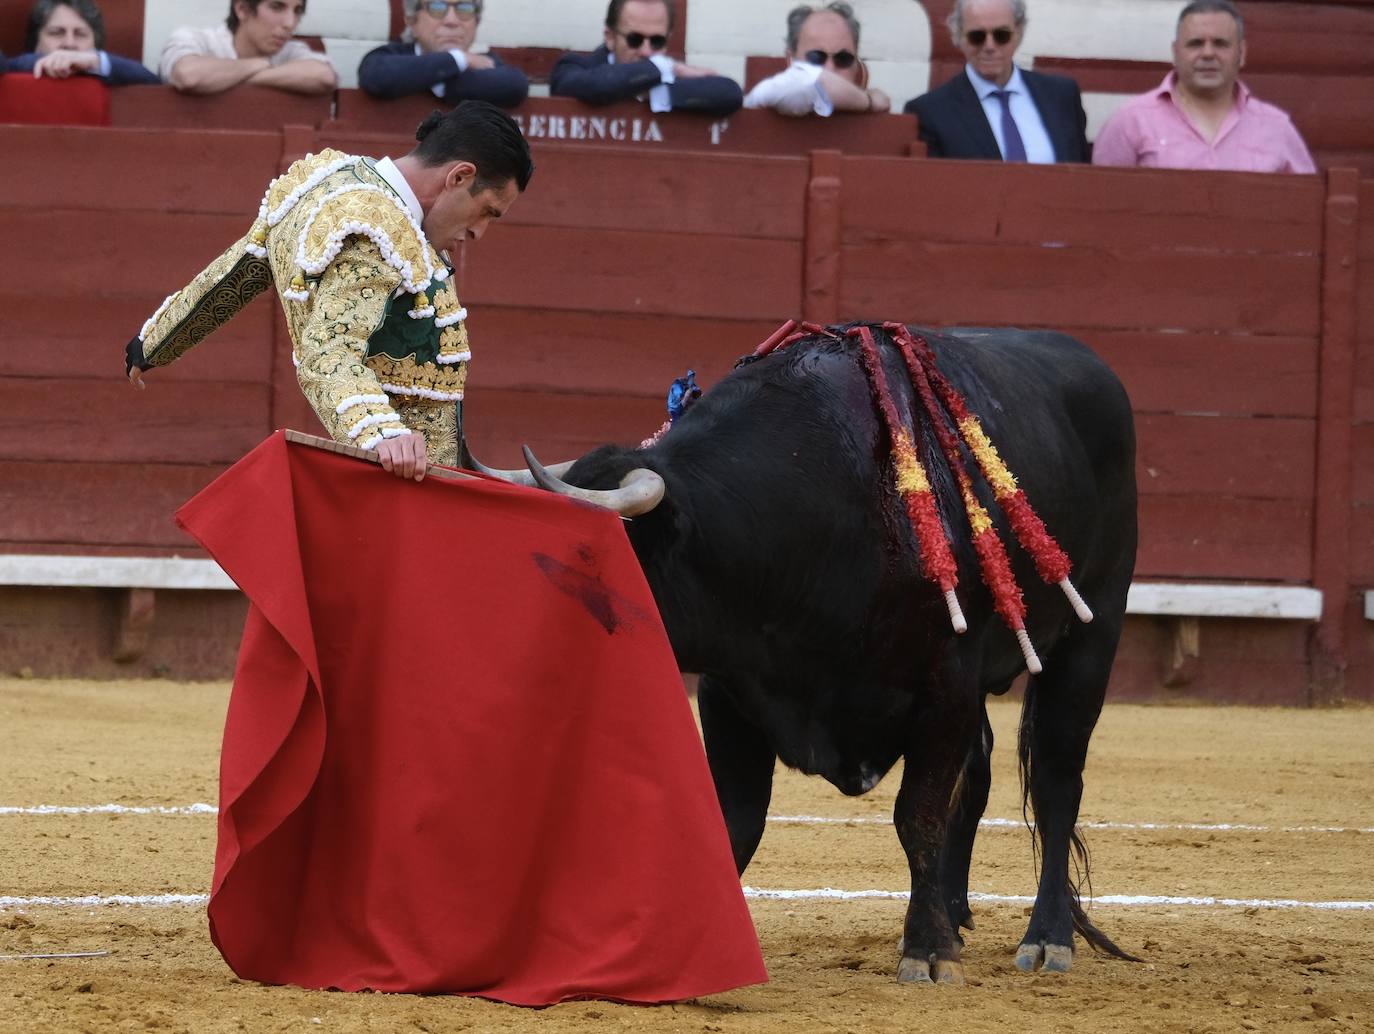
(1082, 867)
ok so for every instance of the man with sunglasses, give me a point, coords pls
(434, 56)
(994, 110)
(824, 74)
(631, 64)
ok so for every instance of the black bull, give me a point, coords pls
(787, 576)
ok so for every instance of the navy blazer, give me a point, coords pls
(123, 71)
(953, 123)
(395, 70)
(592, 79)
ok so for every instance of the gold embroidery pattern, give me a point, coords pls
(364, 212)
(438, 422)
(209, 301)
(453, 340)
(407, 373)
(331, 332)
(300, 171)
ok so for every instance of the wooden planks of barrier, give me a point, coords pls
(632, 126)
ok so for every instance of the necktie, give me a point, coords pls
(1012, 145)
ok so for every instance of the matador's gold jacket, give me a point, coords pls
(376, 329)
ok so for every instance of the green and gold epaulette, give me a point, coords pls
(348, 207)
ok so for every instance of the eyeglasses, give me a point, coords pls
(1002, 36)
(635, 40)
(842, 58)
(466, 10)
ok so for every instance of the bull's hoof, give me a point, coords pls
(947, 972)
(913, 971)
(967, 922)
(1058, 958)
(1029, 956)
(1052, 958)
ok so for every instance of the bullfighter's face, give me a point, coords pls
(1208, 54)
(990, 38)
(463, 210)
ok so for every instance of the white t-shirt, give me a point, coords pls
(796, 90)
(219, 42)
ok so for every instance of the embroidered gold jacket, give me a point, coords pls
(377, 332)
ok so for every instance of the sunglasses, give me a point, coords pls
(465, 9)
(635, 40)
(842, 58)
(1002, 36)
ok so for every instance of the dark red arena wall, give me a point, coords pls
(1217, 297)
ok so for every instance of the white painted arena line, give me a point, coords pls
(764, 894)
(106, 901)
(1120, 900)
(781, 820)
(1192, 827)
(109, 809)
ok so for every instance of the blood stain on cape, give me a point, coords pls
(610, 610)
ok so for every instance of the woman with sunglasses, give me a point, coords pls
(632, 63)
(994, 110)
(434, 55)
(824, 74)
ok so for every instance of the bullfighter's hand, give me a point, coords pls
(404, 456)
(136, 378)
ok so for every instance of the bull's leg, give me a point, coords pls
(742, 764)
(1061, 709)
(971, 801)
(938, 747)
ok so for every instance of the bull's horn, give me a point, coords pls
(639, 492)
(515, 477)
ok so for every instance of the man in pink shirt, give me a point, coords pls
(1201, 116)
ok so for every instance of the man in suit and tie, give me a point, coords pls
(993, 109)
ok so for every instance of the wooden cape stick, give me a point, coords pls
(329, 445)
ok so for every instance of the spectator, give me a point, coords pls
(993, 109)
(631, 63)
(254, 45)
(434, 56)
(1202, 116)
(66, 38)
(825, 74)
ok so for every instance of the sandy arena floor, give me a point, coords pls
(1268, 960)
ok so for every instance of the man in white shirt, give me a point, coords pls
(824, 74)
(254, 45)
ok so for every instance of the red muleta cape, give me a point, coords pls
(458, 756)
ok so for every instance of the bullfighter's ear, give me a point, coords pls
(460, 174)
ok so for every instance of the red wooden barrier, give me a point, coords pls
(632, 125)
(243, 108)
(1230, 304)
